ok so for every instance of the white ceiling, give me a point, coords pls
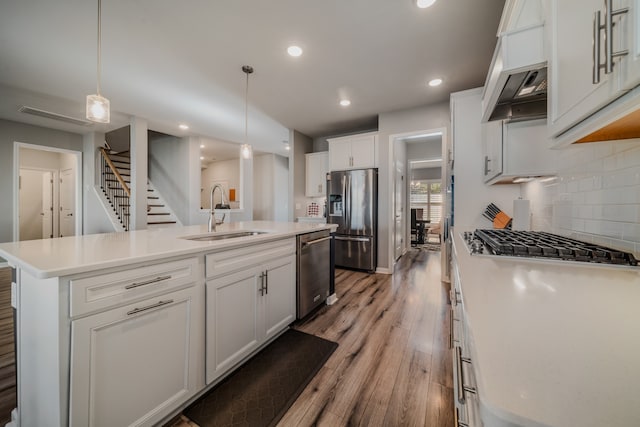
(180, 62)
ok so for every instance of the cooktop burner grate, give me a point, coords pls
(540, 244)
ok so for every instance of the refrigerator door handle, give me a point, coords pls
(353, 239)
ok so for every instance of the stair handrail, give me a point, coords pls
(113, 168)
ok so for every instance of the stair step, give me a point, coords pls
(115, 180)
(153, 197)
(155, 206)
(158, 213)
(160, 222)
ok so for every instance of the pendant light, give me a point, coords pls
(98, 106)
(245, 149)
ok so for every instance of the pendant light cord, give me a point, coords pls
(99, 44)
(246, 111)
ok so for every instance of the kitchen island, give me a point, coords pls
(544, 343)
(128, 328)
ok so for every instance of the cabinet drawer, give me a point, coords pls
(100, 292)
(228, 261)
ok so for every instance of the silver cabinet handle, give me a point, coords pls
(486, 165)
(461, 388)
(262, 275)
(596, 47)
(608, 24)
(451, 328)
(149, 307)
(266, 282)
(459, 385)
(148, 282)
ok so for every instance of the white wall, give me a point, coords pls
(399, 122)
(424, 150)
(471, 195)
(596, 196)
(168, 171)
(11, 132)
(270, 181)
(302, 145)
(225, 170)
(95, 217)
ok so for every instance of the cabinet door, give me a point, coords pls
(232, 322)
(363, 151)
(629, 27)
(279, 300)
(315, 175)
(492, 139)
(133, 365)
(339, 155)
(573, 95)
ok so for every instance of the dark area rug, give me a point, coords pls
(261, 391)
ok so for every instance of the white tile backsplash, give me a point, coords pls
(596, 196)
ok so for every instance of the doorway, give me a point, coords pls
(408, 152)
(48, 192)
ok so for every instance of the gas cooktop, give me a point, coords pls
(538, 244)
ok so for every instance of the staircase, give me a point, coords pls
(115, 173)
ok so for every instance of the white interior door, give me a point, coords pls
(398, 210)
(35, 219)
(67, 202)
(47, 212)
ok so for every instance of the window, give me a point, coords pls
(427, 195)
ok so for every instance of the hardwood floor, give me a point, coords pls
(393, 365)
(7, 354)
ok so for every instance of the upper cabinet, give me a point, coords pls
(316, 168)
(516, 150)
(353, 152)
(595, 59)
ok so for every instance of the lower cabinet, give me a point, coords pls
(245, 309)
(465, 395)
(134, 364)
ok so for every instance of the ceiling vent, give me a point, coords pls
(53, 116)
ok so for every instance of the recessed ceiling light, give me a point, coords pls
(294, 51)
(435, 82)
(183, 126)
(423, 4)
(201, 157)
(345, 102)
(201, 145)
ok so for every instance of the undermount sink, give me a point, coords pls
(223, 236)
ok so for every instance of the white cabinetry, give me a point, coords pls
(581, 82)
(513, 150)
(465, 398)
(316, 168)
(248, 307)
(353, 152)
(147, 352)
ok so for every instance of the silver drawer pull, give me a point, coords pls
(149, 307)
(451, 328)
(147, 282)
(459, 383)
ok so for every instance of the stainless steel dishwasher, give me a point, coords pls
(313, 270)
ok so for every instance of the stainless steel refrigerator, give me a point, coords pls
(352, 204)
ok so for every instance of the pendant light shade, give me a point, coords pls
(246, 150)
(98, 108)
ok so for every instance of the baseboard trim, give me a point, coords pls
(381, 270)
(332, 299)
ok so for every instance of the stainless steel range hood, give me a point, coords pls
(516, 86)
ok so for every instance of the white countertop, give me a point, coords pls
(553, 344)
(77, 254)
